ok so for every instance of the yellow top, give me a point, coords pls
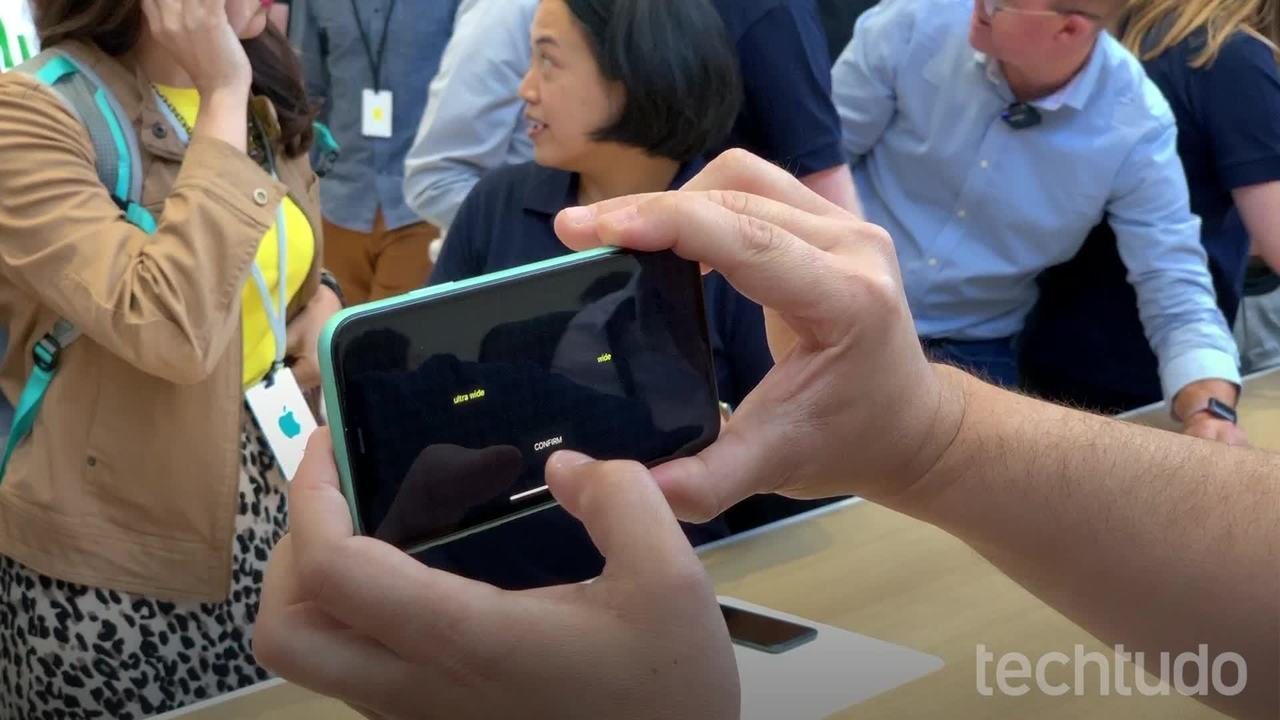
(259, 343)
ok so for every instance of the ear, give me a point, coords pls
(617, 100)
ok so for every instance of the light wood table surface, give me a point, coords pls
(875, 572)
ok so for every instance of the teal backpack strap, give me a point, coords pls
(115, 145)
(119, 166)
(46, 354)
(327, 149)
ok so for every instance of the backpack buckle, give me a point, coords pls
(46, 353)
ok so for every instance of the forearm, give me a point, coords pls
(223, 117)
(436, 188)
(835, 184)
(1145, 538)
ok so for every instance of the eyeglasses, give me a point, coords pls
(994, 6)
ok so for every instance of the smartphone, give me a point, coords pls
(446, 403)
(764, 633)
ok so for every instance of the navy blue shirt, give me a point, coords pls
(508, 221)
(1084, 343)
(787, 114)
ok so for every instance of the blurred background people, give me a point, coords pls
(367, 64)
(1084, 344)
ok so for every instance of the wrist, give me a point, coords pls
(1196, 397)
(937, 445)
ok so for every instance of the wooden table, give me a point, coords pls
(878, 573)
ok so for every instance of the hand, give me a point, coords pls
(356, 619)
(851, 380)
(201, 40)
(303, 342)
(1191, 400)
(1204, 425)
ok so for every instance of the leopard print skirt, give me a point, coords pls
(69, 651)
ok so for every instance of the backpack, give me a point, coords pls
(119, 165)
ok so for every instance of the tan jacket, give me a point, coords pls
(129, 478)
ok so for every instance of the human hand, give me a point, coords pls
(200, 38)
(852, 404)
(357, 619)
(303, 341)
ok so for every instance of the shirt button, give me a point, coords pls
(260, 196)
(92, 461)
(961, 214)
(159, 131)
(933, 262)
(984, 164)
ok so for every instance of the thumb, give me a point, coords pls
(623, 510)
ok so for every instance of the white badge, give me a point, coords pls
(285, 419)
(377, 113)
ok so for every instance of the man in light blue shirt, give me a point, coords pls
(366, 61)
(474, 121)
(988, 138)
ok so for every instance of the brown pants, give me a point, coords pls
(380, 264)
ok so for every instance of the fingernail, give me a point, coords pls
(579, 216)
(566, 459)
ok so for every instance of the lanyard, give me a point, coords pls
(375, 61)
(277, 312)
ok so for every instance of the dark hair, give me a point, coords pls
(115, 26)
(678, 67)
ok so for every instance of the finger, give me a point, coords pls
(725, 473)
(319, 516)
(761, 259)
(626, 515)
(308, 648)
(735, 171)
(741, 171)
(416, 611)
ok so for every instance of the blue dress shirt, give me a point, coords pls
(1084, 343)
(370, 172)
(978, 209)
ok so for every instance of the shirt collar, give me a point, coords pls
(1075, 94)
(554, 190)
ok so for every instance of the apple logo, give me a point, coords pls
(289, 424)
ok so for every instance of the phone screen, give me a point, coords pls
(452, 405)
(765, 633)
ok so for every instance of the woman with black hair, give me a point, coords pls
(624, 96)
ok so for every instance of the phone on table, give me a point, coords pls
(764, 633)
(445, 403)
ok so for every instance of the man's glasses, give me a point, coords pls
(994, 6)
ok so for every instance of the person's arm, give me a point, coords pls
(315, 61)
(1159, 242)
(166, 303)
(474, 110)
(1149, 539)
(864, 79)
(1259, 207)
(462, 256)
(786, 78)
(836, 185)
(1245, 136)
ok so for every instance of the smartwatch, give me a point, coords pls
(328, 280)
(1218, 409)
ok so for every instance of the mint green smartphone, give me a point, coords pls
(445, 403)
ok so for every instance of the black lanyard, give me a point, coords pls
(375, 62)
